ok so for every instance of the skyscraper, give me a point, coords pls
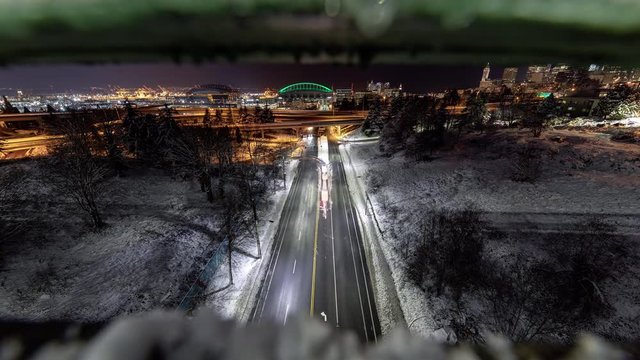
(538, 74)
(509, 76)
(484, 81)
(485, 73)
(559, 69)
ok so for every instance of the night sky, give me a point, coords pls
(60, 78)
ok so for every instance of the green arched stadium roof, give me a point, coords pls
(305, 86)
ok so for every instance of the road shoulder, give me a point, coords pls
(389, 308)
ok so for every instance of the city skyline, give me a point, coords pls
(71, 77)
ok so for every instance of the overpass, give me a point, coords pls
(183, 114)
(296, 121)
(285, 119)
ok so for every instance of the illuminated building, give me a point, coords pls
(214, 94)
(539, 74)
(485, 82)
(509, 76)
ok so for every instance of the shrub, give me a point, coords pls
(449, 252)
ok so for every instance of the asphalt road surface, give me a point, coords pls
(334, 285)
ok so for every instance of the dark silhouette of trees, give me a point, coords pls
(611, 101)
(263, 116)
(549, 107)
(416, 124)
(522, 302)
(267, 116)
(206, 120)
(223, 152)
(245, 117)
(233, 219)
(347, 104)
(258, 114)
(506, 111)
(532, 116)
(112, 142)
(218, 120)
(586, 259)
(475, 111)
(537, 116)
(191, 157)
(76, 171)
(531, 298)
(449, 252)
(374, 123)
(150, 137)
(8, 108)
(451, 98)
(401, 119)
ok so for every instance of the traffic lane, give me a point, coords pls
(325, 301)
(351, 257)
(340, 297)
(288, 293)
(351, 306)
(273, 286)
(286, 288)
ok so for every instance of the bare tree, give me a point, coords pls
(252, 185)
(190, 158)
(476, 111)
(586, 258)
(235, 223)
(531, 299)
(112, 141)
(522, 301)
(223, 150)
(449, 251)
(76, 172)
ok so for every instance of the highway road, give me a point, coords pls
(318, 267)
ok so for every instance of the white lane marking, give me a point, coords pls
(299, 235)
(353, 258)
(273, 263)
(294, 266)
(286, 312)
(335, 283)
(324, 316)
(359, 241)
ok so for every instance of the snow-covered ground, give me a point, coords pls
(237, 301)
(160, 234)
(358, 135)
(594, 122)
(584, 175)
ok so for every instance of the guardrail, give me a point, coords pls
(202, 281)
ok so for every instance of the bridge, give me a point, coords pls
(181, 114)
(298, 122)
